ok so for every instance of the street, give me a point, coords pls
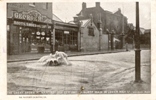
(101, 73)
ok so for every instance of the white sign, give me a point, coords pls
(66, 32)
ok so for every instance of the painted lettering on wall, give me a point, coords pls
(32, 16)
(31, 24)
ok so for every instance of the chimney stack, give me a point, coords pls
(119, 10)
(83, 5)
(97, 4)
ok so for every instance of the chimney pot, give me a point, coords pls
(97, 4)
(83, 5)
(119, 10)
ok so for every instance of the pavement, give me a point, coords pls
(36, 56)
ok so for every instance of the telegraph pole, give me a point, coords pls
(137, 47)
(123, 29)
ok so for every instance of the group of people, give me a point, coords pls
(55, 59)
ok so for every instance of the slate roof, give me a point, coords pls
(147, 31)
(94, 9)
(55, 18)
(85, 22)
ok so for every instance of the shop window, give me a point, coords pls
(73, 38)
(40, 37)
(90, 31)
(59, 36)
(66, 38)
(32, 4)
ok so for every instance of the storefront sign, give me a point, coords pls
(32, 16)
(31, 24)
(66, 32)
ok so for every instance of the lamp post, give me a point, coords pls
(112, 40)
(108, 37)
(137, 47)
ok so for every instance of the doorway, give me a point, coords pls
(24, 40)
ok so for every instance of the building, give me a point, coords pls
(91, 38)
(110, 22)
(65, 35)
(29, 27)
(147, 34)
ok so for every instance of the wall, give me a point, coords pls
(90, 43)
(104, 42)
(109, 20)
(26, 7)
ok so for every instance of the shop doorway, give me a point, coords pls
(24, 40)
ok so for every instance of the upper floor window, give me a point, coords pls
(32, 4)
(45, 5)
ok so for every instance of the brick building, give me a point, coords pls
(90, 38)
(115, 22)
(29, 27)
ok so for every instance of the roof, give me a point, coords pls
(147, 31)
(142, 30)
(95, 9)
(55, 18)
(130, 25)
(85, 22)
(115, 39)
(71, 22)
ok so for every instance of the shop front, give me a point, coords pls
(66, 37)
(29, 32)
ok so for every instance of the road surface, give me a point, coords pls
(102, 73)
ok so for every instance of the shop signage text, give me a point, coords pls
(32, 16)
(31, 24)
(66, 32)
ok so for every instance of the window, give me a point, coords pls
(66, 38)
(40, 37)
(59, 36)
(45, 5)
(32, 4)
(91, 31)
(73, 38)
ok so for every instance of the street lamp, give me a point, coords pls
(137, 47)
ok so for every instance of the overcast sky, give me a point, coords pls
(67, 10)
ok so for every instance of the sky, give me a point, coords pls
(67, 10)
